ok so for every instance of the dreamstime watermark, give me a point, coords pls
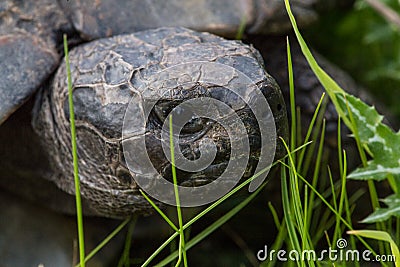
(339, 254)
(237, 89)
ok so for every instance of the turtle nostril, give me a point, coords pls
(123, 176)
(279, 107)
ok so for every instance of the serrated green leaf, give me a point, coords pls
(374, 171)
(392, 200)
(366, 117)
(382, 214)
(382, 143)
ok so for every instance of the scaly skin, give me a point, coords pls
(106, 75)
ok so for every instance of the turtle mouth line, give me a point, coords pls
(193, 179)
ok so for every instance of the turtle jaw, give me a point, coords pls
(206, 176)
(191, 150)
(188, 179)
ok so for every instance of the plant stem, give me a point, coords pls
(75, 160)
(182, 251)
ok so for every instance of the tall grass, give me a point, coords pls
(359, 117)
(314, 210)
(301, 200)
(78, 201)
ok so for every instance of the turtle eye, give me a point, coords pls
(162, 109)
(194, 125)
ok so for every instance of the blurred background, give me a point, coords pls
(364, 40)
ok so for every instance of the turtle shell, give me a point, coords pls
(106, 18)
(29, 33)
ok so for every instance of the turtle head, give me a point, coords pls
(224, 111)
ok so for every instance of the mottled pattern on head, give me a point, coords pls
(106, 75)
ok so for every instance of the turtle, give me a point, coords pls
(30, 47)
(118, 46)
(36, 161)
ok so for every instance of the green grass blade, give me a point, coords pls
(124, 260)
(323, 199)
(75, 159)
(159, 249)
(201, 214)
(182, 250)
(159, 211)
(299, 130)
(105, 241)
(313, 131)
(397, 228)
(294, 210)
(289, 220)
(332, 88)
(214, 205)
(241, 29)
(342, 197)
(210, 229)
(339, 146)
(382, 236)
(316, 174)
(359, 124)
(280, 239)
(274, 215)
(309, 130)
(292, 98)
